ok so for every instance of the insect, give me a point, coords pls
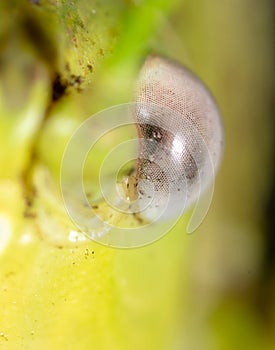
(174, 149)
(181, 139)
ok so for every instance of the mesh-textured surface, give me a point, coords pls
(181, 135)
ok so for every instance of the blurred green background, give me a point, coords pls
(62, 61)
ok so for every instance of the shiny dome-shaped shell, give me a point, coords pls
(181, 136)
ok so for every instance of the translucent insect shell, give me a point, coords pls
(181, 137)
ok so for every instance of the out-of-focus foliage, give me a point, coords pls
(61, 61)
